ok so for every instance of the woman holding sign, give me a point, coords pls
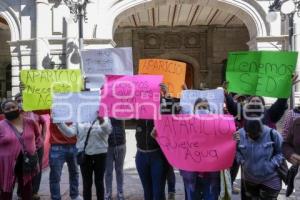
(18, 157)
(92, 144)
(204, 185)
(259, 154)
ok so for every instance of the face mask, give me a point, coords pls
(202, 112)
(12, 115)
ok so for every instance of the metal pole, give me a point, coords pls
(291, 34)
(80, 26)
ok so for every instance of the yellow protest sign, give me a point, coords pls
(172, 71)
(41, 84)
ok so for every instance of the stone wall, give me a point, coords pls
(203, 48)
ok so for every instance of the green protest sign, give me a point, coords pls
(41, 84)
(261, 73)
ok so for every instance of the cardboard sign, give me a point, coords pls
(41, 84)
(197, 143)
(131, 97)
(172, 71)
(75, 107)
(214, 97)
(100, 62)
(261, 73)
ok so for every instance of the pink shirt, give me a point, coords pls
(40, 123)
(10, 148)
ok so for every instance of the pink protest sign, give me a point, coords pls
(198, 143)
(131, 97)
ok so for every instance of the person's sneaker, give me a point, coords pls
(78, 198)
(120, 196)
(108, 197)
(36, 197)
(235, 190)
(171, 196)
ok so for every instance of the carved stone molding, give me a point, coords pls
(192, 40)
(152, 41)
(172, 40)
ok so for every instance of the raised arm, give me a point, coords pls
(68, 131)
(231, 105)
(276, 111)
(104, 127)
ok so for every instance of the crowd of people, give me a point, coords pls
(99, 147)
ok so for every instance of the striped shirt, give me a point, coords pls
(291, 115)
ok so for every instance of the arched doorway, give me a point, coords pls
(5, 60)
(189, 75)
(204, 30)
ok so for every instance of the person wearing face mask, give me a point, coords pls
(271, 115)
(18, 137)
(259, 154)
(204, 185)
(41, 123)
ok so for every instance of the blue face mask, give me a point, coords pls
(201, 112)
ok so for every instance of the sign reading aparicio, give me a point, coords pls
(197, 142)
(261, 73)
(41, 84)
(172, 71)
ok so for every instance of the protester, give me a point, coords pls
(204, 185)
(18, 139)
(150, 162)
(92, 141)
(36, 181)
(63, 149)
(270, 117)
(115, 158)
(259, 153)
(169, 105)
(291, 146)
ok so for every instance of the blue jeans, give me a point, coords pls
(171, 179)
(115, 159)
(59, 154)
(152, 169)
(206, 187)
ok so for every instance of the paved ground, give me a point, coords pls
(132, 187)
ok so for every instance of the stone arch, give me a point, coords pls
(185, 58)
(250, 12)
(14, 25)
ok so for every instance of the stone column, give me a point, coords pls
(72, 46)
(42, 32)
(15, 67)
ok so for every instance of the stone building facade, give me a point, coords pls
(42, 34)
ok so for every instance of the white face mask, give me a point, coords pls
(202, 112)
